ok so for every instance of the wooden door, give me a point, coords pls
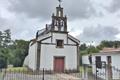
(59, 64)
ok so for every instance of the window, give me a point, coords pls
(98, 58)
(98, 62)
(109, 59)
(59, 43)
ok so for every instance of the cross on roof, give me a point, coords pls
(60, 1)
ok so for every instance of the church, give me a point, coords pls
(53, 48)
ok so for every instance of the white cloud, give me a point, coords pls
(39, 8)
(25, 17)
(98, 33)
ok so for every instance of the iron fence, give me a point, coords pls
(37, 75)
(86, 73)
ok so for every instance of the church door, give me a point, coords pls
(59, 64)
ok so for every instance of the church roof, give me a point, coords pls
(44, 30)
(74, 39)
(32, 41)
(110, 50)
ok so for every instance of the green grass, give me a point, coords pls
(17, 69)
(88, 69)
(81, 68)
(1, 75)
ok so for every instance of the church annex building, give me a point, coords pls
(53, 48)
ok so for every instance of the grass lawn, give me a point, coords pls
(17, 69)
(1, 75)
(88, 69)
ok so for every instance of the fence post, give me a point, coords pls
(85, 72)
(43, 74)
(96, 74)
(4, 73)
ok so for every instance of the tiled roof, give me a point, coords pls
(110, 50)
(33, 41)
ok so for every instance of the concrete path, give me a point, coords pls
(67, 77)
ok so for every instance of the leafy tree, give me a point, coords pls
(83, 47)
(20, 52)
(92, 49)
(7, 38)
(109, 44)
(3, 62)
(1, 39)
(3, 58)
(12, 52)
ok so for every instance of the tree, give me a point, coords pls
(12, 52)
(3, 62)
(3, 58)
(93, 49)
(3, 48)
(109, 44)
(7, 38)
(1, 39)
(84, 49)
(83, 46)
(19, 52)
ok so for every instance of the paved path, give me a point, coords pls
(67, 77)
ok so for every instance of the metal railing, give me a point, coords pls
(85, 73)
(37, 75)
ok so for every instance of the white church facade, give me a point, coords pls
(53, 48)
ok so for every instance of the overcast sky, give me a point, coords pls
(88, 20)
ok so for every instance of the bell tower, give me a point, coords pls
(59, 21)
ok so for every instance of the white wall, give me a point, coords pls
(47, 40)
(59, 36)
(44, 36)
(85, 59)
(115, 63)
(116, 60)
(49, 51)
(71, 42)
(32, 56)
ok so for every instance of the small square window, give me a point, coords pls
(59, 43)
(98, 58)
